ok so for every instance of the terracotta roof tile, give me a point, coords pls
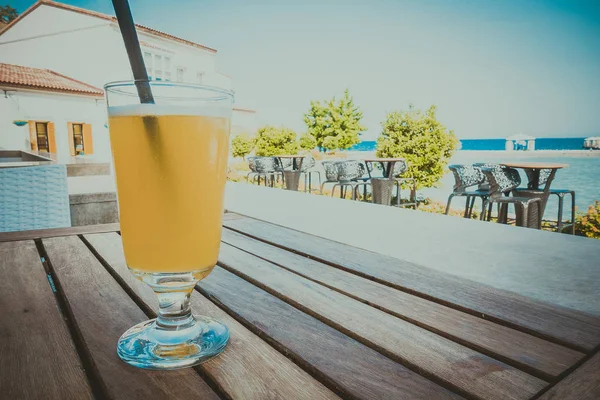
(106, 17)
(43, 79)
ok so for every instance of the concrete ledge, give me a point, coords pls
(556, 268)
(93, 208)
(84, 198)
(87, 169)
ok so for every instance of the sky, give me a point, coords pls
(493, 68)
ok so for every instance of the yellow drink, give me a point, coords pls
(170, 172)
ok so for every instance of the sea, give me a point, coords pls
(582, 174)
(497, 144)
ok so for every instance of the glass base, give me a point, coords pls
(147, 345)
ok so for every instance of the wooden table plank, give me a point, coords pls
(228, 216)
(352, 368)
(546, 359)
(102, 311)
(566, 326)
(37, 356)
(55, 232)
(248, 368)
(464, 369)
(582, 384)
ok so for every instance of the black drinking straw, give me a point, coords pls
(134, 52)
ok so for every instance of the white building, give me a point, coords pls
(86, 46)
(41, 110)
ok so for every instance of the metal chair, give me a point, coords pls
(331, 172)
(466, 176)
(504, 180)
(267, 168)
(350, 174)
(308, 169)
(252, 166)
(400, 167)
(560, 193)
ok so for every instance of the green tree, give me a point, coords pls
(272, 141)
(339, 120)
(7, 14)
(241, 145)
(331, 143)
(422, 140)
(307, 142)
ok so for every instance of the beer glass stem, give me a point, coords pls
(174, 310)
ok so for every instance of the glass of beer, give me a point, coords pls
(170, 162)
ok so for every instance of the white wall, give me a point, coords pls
(57, 108)
(243, 122)
(90, 49)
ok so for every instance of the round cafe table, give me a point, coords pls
(382, 188)
(291, 178)
(532, 170)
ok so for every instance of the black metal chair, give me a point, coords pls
(503, 180)
(465, 177)
(350, 174)
(308, 169)
(331, 172)
(267, 168)
(560, 193)
(252, 166)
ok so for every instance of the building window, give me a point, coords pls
(149, 63)
(158, 67)
(167, 66)
(78, 138)
(199, 77)
(41, 129)
(180, 72)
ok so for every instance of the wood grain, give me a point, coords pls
(55, 232)
(462, 368)
(582, 384)
(575, 329)
(248, 368)
(353, 369)
(545, 358)
(228, 216)
(37, 356)
(102, 312)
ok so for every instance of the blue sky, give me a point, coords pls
(493, 67)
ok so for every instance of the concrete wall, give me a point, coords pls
(93, 208)
(543, 265)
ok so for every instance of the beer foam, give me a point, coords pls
(163, 110)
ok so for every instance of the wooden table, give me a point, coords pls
(292, 178)
(532, 170)
(309, 319)
(535, 168)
